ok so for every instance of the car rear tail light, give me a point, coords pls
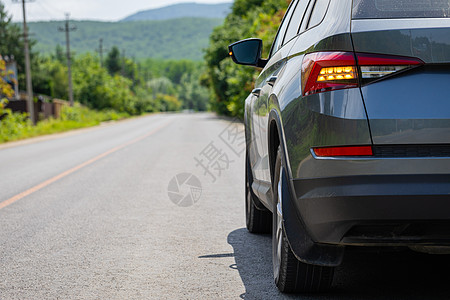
(374, 66)
(343, 151)
(327, 71)
(373, 72)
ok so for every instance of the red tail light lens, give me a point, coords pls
(326, 71)
(343, 151)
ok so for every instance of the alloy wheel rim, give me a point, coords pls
(247, 205)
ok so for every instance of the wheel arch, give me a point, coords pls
(275, 138)
(273, 143)
(302, 245)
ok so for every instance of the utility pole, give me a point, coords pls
(123, 62)
(100, 51)
(67, 29)
(30, 101)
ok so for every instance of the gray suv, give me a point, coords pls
(348, 133)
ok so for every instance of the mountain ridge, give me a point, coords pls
(182, 10)
(183, 38)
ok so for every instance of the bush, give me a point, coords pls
(168, 103)
(15, 126)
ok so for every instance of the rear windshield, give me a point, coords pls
(390, 9)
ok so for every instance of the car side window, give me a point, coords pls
(318, 13)
(296, 20)
(282, 30)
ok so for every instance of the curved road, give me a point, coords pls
(102, 214)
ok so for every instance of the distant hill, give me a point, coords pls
(183, 10)
(168, 39)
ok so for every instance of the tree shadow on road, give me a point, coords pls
(363, 275)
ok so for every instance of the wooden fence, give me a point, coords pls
(43, 109)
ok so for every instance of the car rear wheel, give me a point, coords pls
(292, 275)
(257, 220)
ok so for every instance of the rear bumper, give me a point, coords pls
(376, 209)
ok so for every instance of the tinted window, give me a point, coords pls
(307, 15)
(319, 10)
(386, 9)
(296, 19)
(282, 30)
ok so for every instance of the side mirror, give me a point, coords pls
(247, 52)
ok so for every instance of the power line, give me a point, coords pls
(46, 6)
(67, 29)
(43, 7)
(30, 101)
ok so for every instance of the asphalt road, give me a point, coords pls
(125, 211)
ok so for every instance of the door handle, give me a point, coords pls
(256, 92)
(271, 80)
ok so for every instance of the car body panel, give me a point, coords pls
(273, 70)
(259, 120)
(326, 119)
(414, 108)
(329, 199)
(332, 208)
(430, 41)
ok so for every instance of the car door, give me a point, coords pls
(259, 111)
(269, 78)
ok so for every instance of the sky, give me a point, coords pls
(103, 10)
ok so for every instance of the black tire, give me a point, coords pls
(257, 220)
(292, 275)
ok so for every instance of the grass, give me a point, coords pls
(16, 126)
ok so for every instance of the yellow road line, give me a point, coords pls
(74, 169)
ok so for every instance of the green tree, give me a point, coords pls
(50, 78)
(161, 85)
(191, 93)
(6, 90)
(60, 54)
(113, 61)
(12, 42)
(129, 70)
(96, 88)
(242, 7)
(168, 102)
(229, 83)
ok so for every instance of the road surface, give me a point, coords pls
(126, 211)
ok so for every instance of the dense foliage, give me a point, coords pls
(152, 86)
(16, 126)
(11, 43)
(230, 84)
(169, 39)
(119, 82)
(114, 88)
(5, 89)
(124, 85)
